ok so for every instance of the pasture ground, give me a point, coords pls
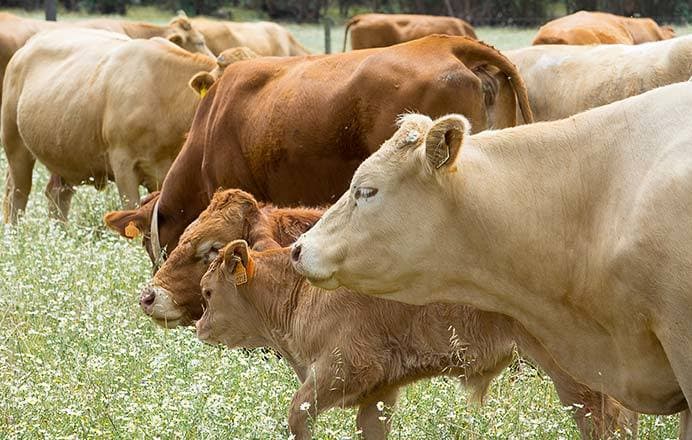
(79, 360)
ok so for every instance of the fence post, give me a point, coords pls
(51, 11)
(327, 22)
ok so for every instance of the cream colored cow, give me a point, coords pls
(564, 80)
(581, 229)
(92, 106)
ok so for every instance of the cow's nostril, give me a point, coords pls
(295, 252)
(147, 299)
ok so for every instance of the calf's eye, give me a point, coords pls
(364, 193)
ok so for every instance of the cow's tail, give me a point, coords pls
(349, 23)
(476, 53)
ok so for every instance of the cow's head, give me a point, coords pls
(229, 316)
(378, 237)
(181, 33)
(202, 81)
(173, 298)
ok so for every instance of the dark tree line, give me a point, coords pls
(478, 12)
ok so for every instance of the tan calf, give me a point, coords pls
(92, 106)
(256, 300)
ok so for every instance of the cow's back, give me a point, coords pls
(306, 123)
(563, 80)
(584, 28)
(382, 30)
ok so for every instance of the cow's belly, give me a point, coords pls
(627, 363)
(65, 138)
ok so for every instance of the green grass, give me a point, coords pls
(79, 360)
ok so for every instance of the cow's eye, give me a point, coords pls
(207, 294)
(364, 193)
(210, 255)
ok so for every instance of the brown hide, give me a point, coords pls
(231, 215)
(585, 27)
(293, 130)
(382, 30)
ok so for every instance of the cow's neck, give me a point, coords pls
(537, 233)
(275, 293)
(182, 200)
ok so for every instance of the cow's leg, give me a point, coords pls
(371, 421)
(18, 179)
(59, 196)
(597, 415)
(314, 396)
(126, 178)
(686, 425)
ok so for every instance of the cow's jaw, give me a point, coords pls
(164, 311)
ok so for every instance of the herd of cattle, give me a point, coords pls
(571, 239)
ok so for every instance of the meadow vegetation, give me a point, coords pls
(79, 360)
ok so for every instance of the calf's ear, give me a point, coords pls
(236, 258)
(201, 83)
(444, 140)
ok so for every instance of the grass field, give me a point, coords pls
(79, 360)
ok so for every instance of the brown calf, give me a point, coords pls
(257, 300)
(174, 298)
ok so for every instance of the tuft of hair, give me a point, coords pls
(412, 118)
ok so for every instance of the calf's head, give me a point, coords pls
(378, 237)
(229, 316)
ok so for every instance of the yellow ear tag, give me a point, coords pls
(239, 274)
(203, 92)
(131, 231)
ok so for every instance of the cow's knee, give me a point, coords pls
(374, 419)
(59, 196)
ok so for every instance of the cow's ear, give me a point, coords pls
(176, 39)
(129, 224)
(201, 83)
(444, 140)
(236, 258)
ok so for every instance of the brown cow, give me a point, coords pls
(175, 297)
(585, 27)
(381, 30)
(292, 130)
(263, 37)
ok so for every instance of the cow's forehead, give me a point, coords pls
(390, 158)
